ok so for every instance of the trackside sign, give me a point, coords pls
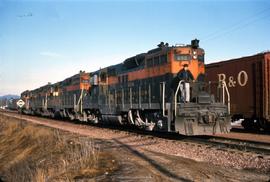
(20, 103)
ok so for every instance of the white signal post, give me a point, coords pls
(20, 104)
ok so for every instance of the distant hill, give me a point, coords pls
(5, 98)
(10, 96)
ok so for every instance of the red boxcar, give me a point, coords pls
(248, 80)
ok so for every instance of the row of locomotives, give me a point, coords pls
(161, 90)
(63, 99)
(73, 92)
(12, 104)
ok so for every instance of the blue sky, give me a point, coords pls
(47, 41)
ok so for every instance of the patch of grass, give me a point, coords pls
(36, 153)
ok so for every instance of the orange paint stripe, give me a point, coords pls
(73, 87)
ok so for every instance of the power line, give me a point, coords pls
(240, 24)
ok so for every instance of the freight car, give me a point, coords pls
(248, 80)
(150, 90)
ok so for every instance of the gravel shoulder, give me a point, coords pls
(147, 158)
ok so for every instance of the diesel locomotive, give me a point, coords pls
(161, 90)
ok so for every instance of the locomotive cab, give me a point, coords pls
(190, 55)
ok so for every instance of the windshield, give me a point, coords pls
(182, 57)
(201, 58)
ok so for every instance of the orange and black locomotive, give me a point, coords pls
(162, 89)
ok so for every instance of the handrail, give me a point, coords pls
(163, 98)
(224, 85)
(224, 88)
(175, 95)
(80, 101)
(45, 102)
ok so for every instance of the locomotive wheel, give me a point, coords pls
(251, 124)
(256, 125)
(263, 124)
(96, 120)
(247, 124)
(57, 115)
(267, 126)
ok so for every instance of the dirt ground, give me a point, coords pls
(34, 152)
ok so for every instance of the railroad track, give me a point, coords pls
(235, 144)
(220, 143)
(242, 130)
